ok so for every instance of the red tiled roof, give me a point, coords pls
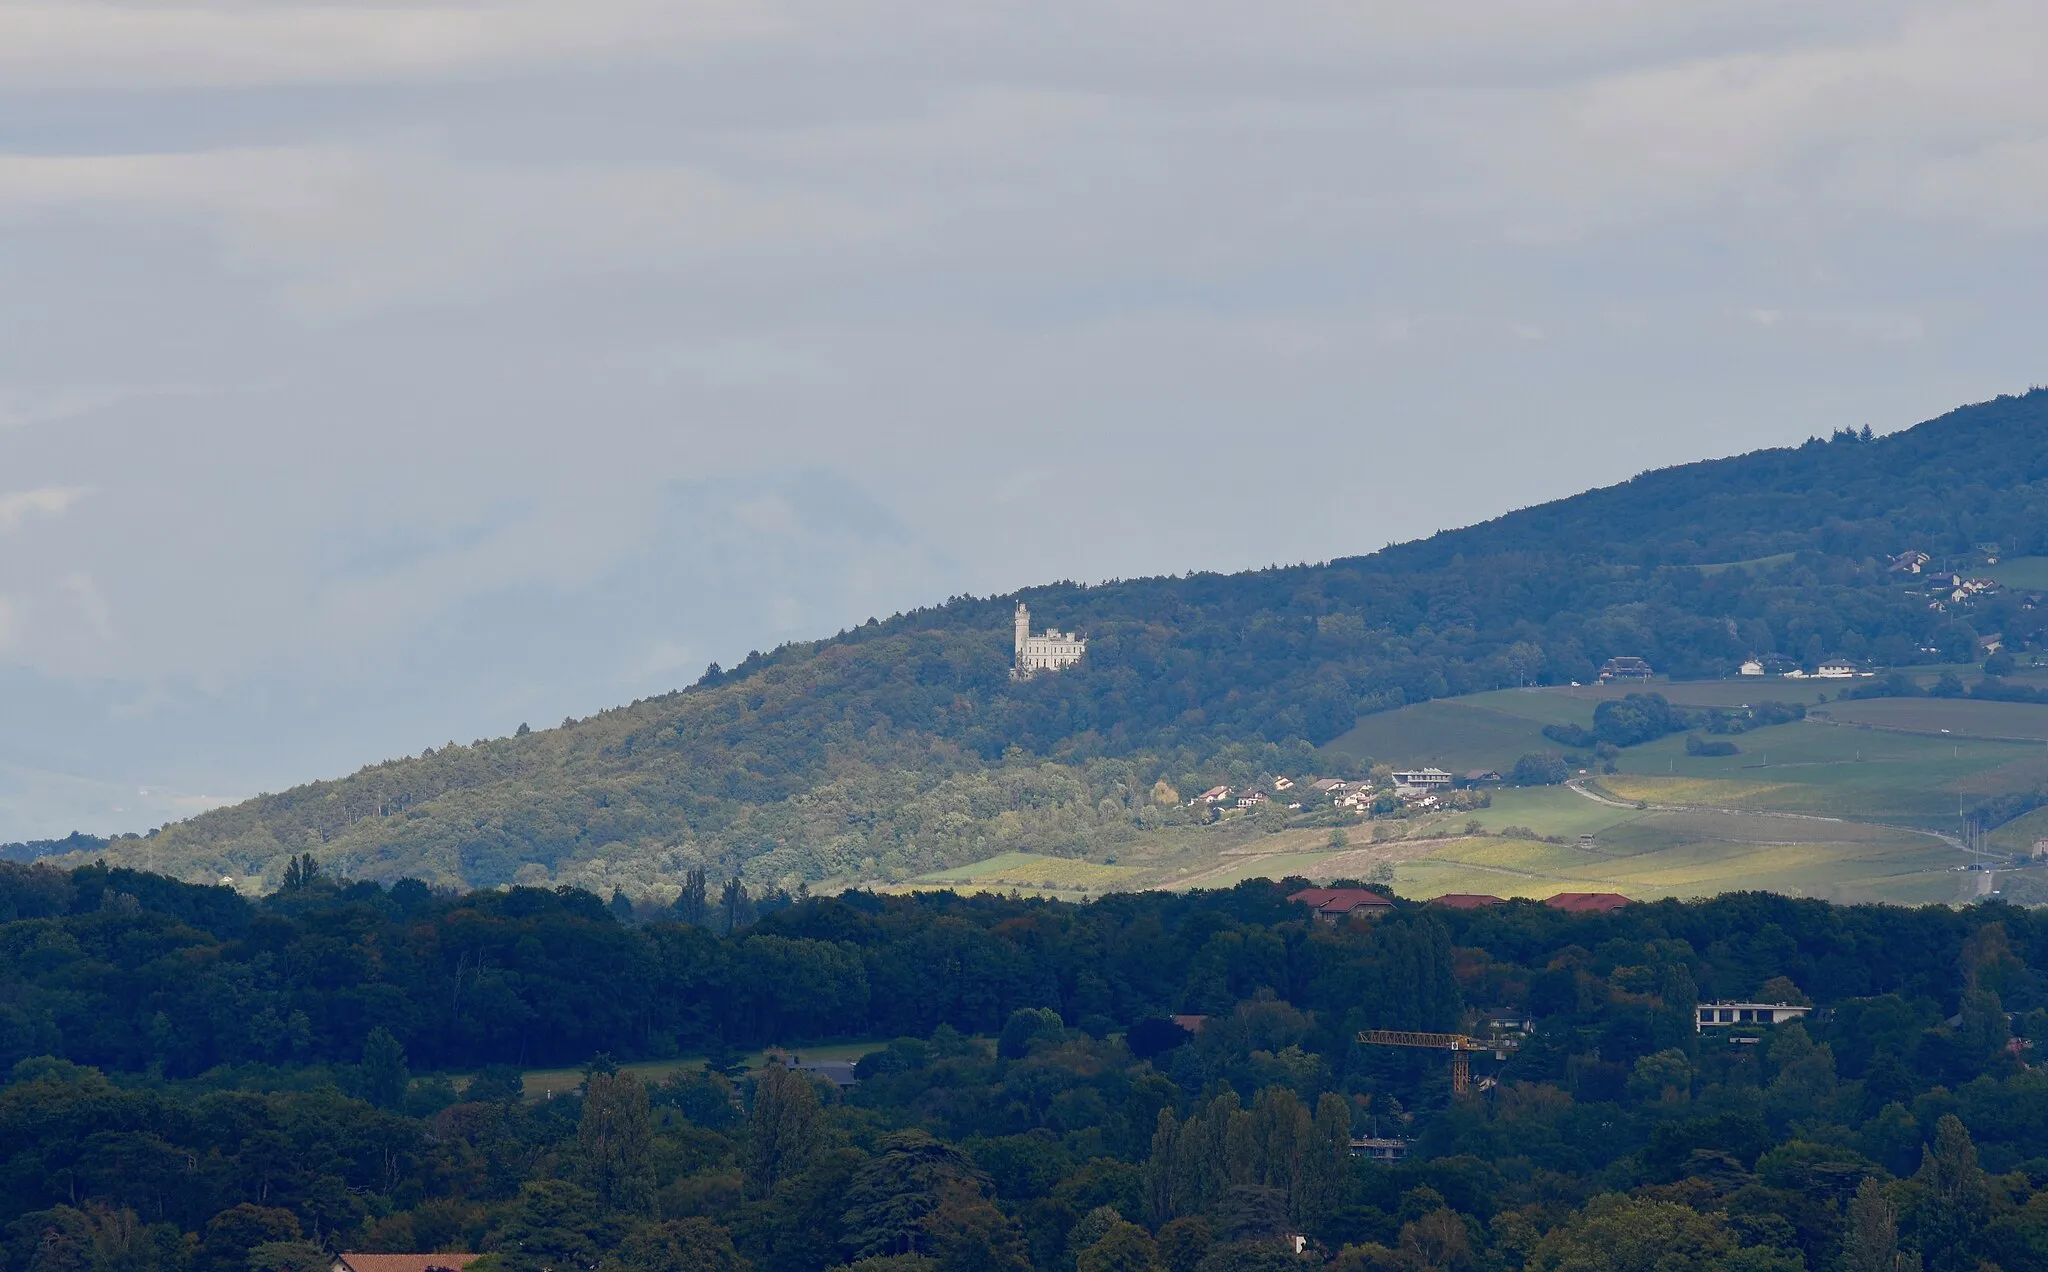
(1340, 900)
(1586, 902)
(1467, 900)
(406, 1262)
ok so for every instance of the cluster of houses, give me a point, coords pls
(1831, 669)
(1419, 788)
(1958, 588)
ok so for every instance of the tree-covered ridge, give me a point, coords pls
(903, 745)
(255, 1097)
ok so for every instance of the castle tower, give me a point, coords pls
(1023, 630)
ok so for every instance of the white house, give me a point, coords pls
(1718, 1015)
(1838, 669)
(1753, 667)
(1422, 779)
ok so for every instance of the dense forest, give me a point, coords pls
(202, 1083)
(904, 745)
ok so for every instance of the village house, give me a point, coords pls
(1753, 667)
(1252, 799)
(1327, 785)
(1283, 783)
(1214, 795)
(1626, 667)
(1838, 669)
(1909, 562)
(1481, 777)
(1333, 905)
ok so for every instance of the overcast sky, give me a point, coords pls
(375, 375)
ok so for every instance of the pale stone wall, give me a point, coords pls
(1050, 652)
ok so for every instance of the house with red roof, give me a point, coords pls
(1586, 902)
(1335, 904)
(1466, 900)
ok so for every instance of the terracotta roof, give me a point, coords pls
(405, 1262)
(1340, 900)
(1467, 900)
(1586, 902)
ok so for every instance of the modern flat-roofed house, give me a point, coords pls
(1714, 1015)
(838, 1072)
(355, 1262)
(1333, 905)
(1380, 1149)
(1586, 902)
(1626, 667)
(1422, 779)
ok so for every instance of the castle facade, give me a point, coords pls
(1050, 652)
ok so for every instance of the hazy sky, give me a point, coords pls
(374, 375)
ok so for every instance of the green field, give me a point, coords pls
(1035, 873)
(1849, 804)
(1484, 731)
(2027, 572)
(1955, 716)
(544, 1084)
(1758, 563)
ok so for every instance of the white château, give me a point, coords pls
(1049, 652)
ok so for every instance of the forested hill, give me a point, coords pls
(904, 745)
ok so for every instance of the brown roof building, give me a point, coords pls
(355, 1262)
(1586, 902)
(1467, 900)
(1332, 904)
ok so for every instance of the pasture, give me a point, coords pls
(1456, 733)
(1030, 872)
(2030, 573)
(1956, 717)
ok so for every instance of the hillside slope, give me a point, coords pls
(903, 746)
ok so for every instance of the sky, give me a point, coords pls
(379, 375)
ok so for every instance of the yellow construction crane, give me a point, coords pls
(1458, 1045)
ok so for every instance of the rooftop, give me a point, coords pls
(403, 1262)
(1586, 902)
(1340, 900)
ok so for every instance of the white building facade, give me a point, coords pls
(1050, 652)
